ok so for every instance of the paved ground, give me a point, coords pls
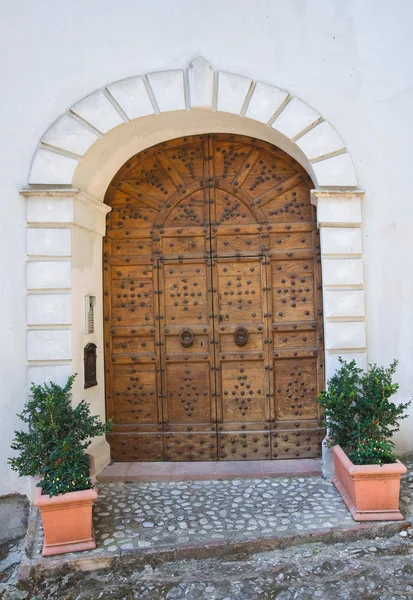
(164, 515)
(137, 525)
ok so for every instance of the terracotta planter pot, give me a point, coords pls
(371, 492)
(67, 520)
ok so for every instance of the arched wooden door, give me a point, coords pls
(212, 304)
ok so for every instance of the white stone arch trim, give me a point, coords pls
(199, 87)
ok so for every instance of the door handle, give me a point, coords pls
(241, 336)
(186, 337)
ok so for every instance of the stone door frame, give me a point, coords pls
(81, 152)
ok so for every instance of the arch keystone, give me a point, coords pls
(201, 83)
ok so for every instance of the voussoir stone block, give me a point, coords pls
(48, 242)
(132, 96)
(50, 168)
(337, 171)
(97, 110)
(232, 92)
(343, 303)
(320, 141)
(68, 134)
(168, 89)
(48, 275)
(345, 335)
(265, 102)
(49, 344)
(49, 309)
(201, 84)
(342, 271)
(295, 118)
(340, 240)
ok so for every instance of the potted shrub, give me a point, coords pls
(361, 420)
(53, 447)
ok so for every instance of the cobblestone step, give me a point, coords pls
(154, 522)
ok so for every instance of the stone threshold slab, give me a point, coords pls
(131, 472)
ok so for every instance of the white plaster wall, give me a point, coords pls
(349, 60)
(87, 280)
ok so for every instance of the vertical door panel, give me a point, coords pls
(243, 387)
(260, 206)
(159, 209)
(189, 405)
(132, 357)
(295, 307)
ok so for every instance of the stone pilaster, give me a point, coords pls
(64, 250)
(339, 219)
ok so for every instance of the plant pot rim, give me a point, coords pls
(397, 468)
(62, 499)
(77, 496)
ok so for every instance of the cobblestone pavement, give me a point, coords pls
(137, 517)
(149, 515)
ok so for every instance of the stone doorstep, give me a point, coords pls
(131, 472)
(51, 566)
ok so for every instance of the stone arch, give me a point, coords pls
(77, 158)
(300, 128)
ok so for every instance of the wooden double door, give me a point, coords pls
(212, 304)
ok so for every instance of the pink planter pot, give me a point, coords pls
(371, 492)
(67, 520)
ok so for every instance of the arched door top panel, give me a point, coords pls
(213, 311)
(250, 170)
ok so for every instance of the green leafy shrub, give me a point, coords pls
(56, 437)
(360, 417)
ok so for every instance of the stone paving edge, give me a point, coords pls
(34, 567)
